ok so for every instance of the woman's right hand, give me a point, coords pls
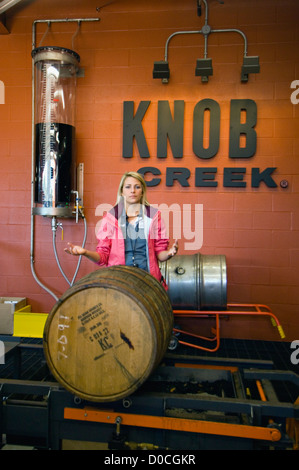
(75, 250)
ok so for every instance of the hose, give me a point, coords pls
(70, 283)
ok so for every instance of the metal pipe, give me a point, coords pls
(230, 30)
(83, 244)
(206, 11)
(233, 30)
(7, 4)
(205, 31)
(176, 34)
(32, 190)
(77, 204)
(54, 228)
(32, 236)
(206, 46)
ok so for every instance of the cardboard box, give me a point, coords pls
(8, 306)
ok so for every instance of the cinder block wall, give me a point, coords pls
(256, 228)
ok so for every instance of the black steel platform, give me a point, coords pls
(29, 394)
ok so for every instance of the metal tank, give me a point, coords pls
(196, 282)
(55, 163)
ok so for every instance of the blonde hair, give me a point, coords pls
(137, 176)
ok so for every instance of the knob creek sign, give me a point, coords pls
(170, 128)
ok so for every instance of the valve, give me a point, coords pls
(118, 440)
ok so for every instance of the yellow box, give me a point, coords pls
(29, 325)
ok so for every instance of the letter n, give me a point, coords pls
(173, 129)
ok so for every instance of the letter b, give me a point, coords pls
(237, 128)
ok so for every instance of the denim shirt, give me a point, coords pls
(135, 244)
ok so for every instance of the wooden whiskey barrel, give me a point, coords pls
(108, 332)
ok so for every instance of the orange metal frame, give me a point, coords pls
(232, 309)
(106, 416)
(173, 424)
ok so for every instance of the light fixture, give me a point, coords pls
(204, 66)
(250, 65)
(204, 69)
(161, 70)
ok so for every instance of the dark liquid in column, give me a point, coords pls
(55, 163)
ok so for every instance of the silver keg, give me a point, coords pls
(196, 282)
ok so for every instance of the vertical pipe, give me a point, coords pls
(32, 180)
(32, 225)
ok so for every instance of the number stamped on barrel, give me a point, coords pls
(62, 340)
(95, 320)
(94, 326)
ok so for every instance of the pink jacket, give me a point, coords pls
(111, 243)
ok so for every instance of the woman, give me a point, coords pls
(132, 233)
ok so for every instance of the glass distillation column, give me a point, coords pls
(55, 78)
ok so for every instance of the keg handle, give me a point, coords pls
(180, 270)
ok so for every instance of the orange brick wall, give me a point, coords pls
(256, 228)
